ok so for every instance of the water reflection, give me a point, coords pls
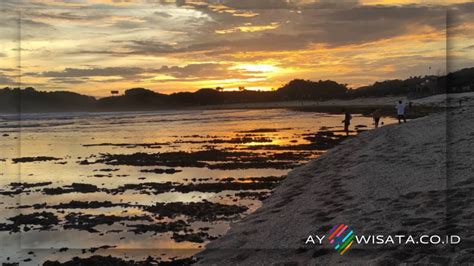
(260, 143)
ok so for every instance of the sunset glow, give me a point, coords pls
(92, 47)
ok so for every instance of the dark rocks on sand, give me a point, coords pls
(16, 185)
(74, 204)
(161, 171)
(158, 188)
(176, 226)
(222, 159)
(199, 237)
(34, 159)
(265, 130)
(74, 187)
(112, 261)
(87, 222)
(222, 186)
(204, 211)
(238, 140)
(128, 145)
(94, 249)
(43, 219)
(253, 195)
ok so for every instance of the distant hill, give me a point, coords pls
(30, 100)
(134, 99)
(299, 89)
(459, 81)
(390, 87)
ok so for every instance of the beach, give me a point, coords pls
(336, 104)
(415, 178)
(175, 182)
(118, 183)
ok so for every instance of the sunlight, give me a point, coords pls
(262, 68)
(249, 28)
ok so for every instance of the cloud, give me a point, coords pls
(248, 27)
(163, 14)
(260, 4)
(90, 15)
(128, 25)
(150, 47)
(73, 81)
(34, 24)
(203, 71)
(8, 69)
(172, 40)
(6, 80)
(460, 19)
(91, 72)
(10, 24)
(284, 30)
(470, 47)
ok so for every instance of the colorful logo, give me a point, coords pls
(341, 236)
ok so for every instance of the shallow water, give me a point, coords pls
(83, 146)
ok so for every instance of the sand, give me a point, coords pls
(451, 100)
(357, 102)
(437, 100)
(415, 178)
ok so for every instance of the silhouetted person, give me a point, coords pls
(460, 102)
(376, 114)
(347, 121)
(401, 112)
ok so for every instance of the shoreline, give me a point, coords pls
(365, 110)
(393, 179)
(331, 191)
(333, 106)
(196, 164)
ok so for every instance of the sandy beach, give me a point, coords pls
(368, 102)
(437, 100)
(415, 178)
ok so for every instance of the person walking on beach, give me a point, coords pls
(376, 114)
(347, 121)
(401, 112)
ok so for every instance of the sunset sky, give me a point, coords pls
(96, 46)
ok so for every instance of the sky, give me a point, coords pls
(95, 46)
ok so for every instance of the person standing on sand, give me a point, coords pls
(376, 114)
(347, 121)
(401, 112)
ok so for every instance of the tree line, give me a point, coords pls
(31, 100)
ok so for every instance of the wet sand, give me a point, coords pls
(214, 179)
(416, 178)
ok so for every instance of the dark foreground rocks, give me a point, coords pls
(112, 261)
